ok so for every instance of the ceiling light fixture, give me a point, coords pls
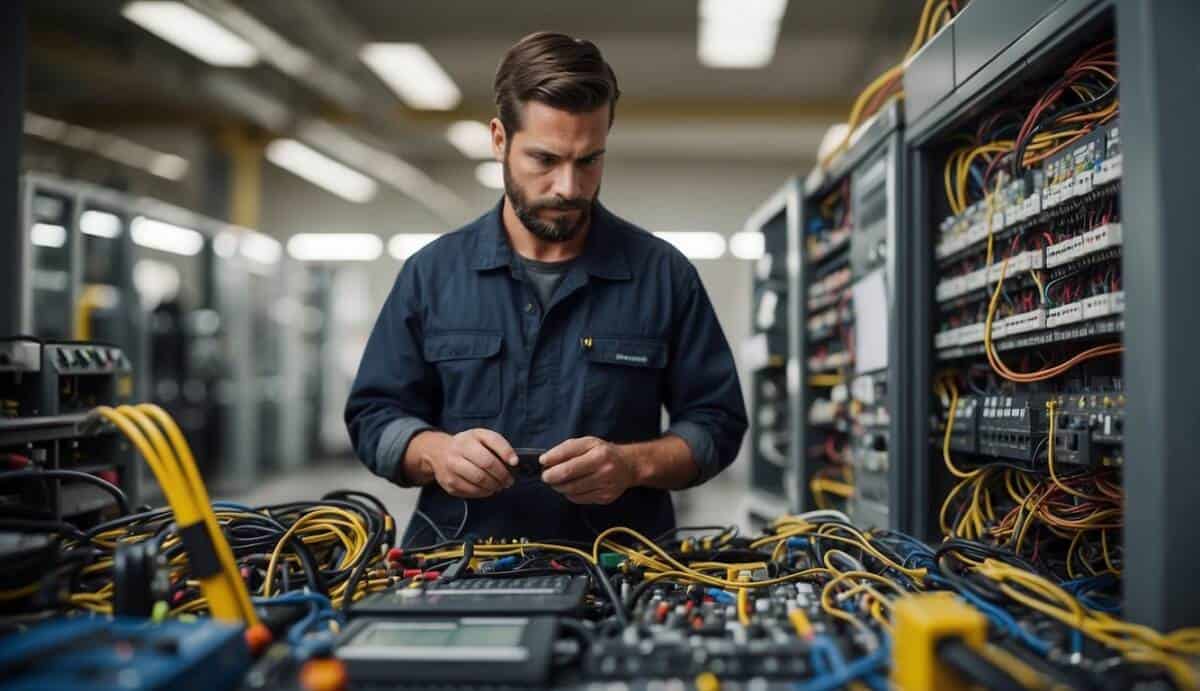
(100, 224)
(747, 244)
(472, 138)
(192, 32)
(696, 244)
(404, 245)
(166, 237)
(320, 170)
(49, 235)
(335, 247)
(412, 73)
(490, 174)
(261, 248)
(739, 34)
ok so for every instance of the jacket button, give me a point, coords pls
(529, 307)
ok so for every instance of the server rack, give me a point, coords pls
(847, 421)
(768, 354)
(1158, 148)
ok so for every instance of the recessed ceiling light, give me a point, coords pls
(490, 174)
(412, 73)
(193, 32)
(739, 34)
(748, 244)
(696, 244)
(472, 138)
(166, 237)
(404, 245)
(100, 224)
(321, 170)
(49, 235)
(335, 247)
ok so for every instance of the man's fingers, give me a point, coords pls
(486, 461)
(573, 468)
(567, 450)
(470, 473)
(497, 444)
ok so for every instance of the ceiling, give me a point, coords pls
(91, 66)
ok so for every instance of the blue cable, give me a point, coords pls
(720, 596)
(863, 666)
(1002, 619)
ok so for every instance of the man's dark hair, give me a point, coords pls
(560, 71)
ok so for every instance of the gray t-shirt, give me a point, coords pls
(545, 276)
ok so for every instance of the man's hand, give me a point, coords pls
(469, 464)
(588, 470)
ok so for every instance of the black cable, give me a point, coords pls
(18, 525)
(117, 494)
(580, 629)
(957, 655)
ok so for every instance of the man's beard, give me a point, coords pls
(560, 229)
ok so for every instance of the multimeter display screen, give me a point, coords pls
(441, 634)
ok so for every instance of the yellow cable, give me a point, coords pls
(199, 492)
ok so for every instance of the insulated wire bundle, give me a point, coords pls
(213, 554)
(889, 85)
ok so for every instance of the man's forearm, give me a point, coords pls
(665, 463)
(418, 457)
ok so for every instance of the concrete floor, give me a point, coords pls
(716, 502)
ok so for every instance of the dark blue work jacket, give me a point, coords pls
(462, 342)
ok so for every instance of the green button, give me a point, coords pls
(610, 560)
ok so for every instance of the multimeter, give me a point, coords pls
(514, 650)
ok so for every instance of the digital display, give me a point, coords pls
(505, 634)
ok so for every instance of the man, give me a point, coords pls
(547, 323)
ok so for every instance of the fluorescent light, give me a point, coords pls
(192, 32)
(748, 244)
(696, 244)
(155, 281)
(385, 167)
(490, 174)
(166, 237)
(225, 244)
(471, 137)
(410, 71)
(335, 247)
(739, 34)
(404, 245)
(321, 170)
(99, 224)
(48, 235)
(261, 248)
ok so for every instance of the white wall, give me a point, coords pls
(657, 195)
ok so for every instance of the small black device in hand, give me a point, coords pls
(528, 467)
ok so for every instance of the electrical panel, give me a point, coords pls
(767, 354)
(1025, 238)
(46, 390)
(851, 213)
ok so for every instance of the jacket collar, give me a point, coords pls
(603, 255)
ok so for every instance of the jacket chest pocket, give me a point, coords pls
(468, 364)
(624, 376)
